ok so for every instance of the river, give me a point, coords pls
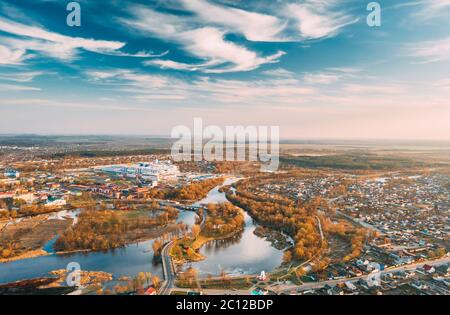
(245, 253)
(127, 261)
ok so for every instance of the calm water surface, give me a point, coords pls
(243, 254)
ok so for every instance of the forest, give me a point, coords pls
(222, 219)
(300, 221)
(351, 162)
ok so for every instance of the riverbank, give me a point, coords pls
(26, 238)
(222, 221)
(55, 283)
(278, 240)
(34, 286)
(190, 248)
(41, 252)
(238, 253)
(26, 255)
(203, 240)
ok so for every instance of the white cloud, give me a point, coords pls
(209, 43)
(52, 44)
(203, 29)
(279, 72)
(131, 78)
(433, 8)
(64, 104)
(14, 87)
(316, 19)
(381, 89)
(431, 51)
(11, 56)
(443, 85)
(205, 43)
(321, 78)
(170, 64)
(21, 76)
(273, 92)
(159, 97)
(254, 26)
(146, 87)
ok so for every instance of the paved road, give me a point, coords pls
(318, 285)
(168, 270)
(168, 267)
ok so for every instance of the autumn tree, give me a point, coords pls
(195, 230)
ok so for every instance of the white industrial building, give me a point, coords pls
(155, 171)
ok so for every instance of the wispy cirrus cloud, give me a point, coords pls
(316, 19)
(11, 56)
(430, 51)
(54, 44)
(206, 43)
(149, 88)
(442, 85)
(279, 86)
(380, 89)
(23, 38)
(203, 29)
(21, 76)
(67, 104)
(433, 8)
(321, 78)
(279, 72)
(253, 25)
(310, 19)
(139, 80)
(15, 87)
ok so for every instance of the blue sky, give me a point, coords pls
(313, 67)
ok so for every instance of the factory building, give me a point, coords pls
(154, 171)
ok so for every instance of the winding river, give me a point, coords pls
(245, 253)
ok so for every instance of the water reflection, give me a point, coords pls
(214, 246)
(126, 261)
(244, 253)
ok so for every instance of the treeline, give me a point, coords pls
(107, 153)
(31, 210)
(301, 222)
(223, 219)
(297, 222)
(191, 192)
(351, 162)
(102, 230)
(10, 247)
(355, 236)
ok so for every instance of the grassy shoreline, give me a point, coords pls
(41, 253)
